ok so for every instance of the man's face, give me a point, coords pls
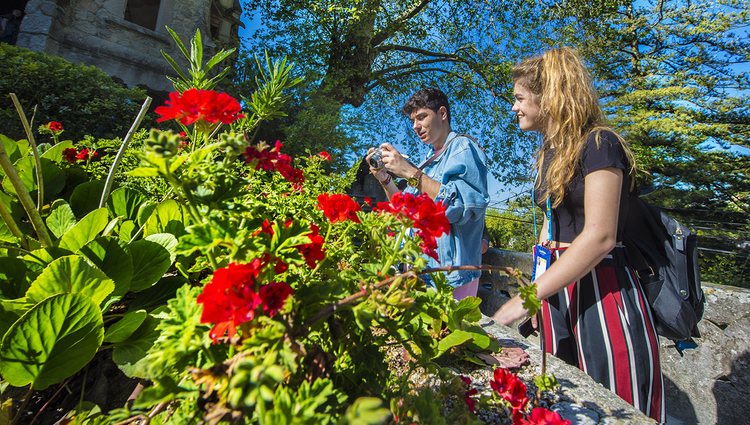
(431, 127)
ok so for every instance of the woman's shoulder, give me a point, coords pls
(603, 136)
(603, 148)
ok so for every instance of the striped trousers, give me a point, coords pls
(603, 325)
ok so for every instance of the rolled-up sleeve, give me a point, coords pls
(463, 184)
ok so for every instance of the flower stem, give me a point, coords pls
(34, 150)
(121, 152)
(392, 258)
(25, 198)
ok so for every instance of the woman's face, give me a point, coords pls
(527, 109)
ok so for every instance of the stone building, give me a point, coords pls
(125, 37)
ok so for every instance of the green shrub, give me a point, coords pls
(83, 98)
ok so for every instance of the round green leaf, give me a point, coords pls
(130, 355)
(53, 175)
(168, 241)
(55, 153)
(86, 197)
(109, 254)
(166, 218)
(52, 341)
(85, 230)
(71, 274)
(127, 229)
(150, 262)
(125, 327)
(125, 202)
(61, 219)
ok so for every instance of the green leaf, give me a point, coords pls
(73, 275)
(166, 218)
(54, 177)
(168, 241)
(124, 328)
(86, 196)
(61, 219)
(127, 229)
(13, 277)
(150, 262)
(144, 172)
(15, 149)
(52, 341)
(144, 212)
(109, 254)
(454, 339)
(85, 230)
(55, 153)
(130, 354)
(124, 202)
(367, 411)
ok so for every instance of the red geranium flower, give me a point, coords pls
(338, 207)
(510, 388)
(273, 159)
(470, 402)
(542, 416)
(229, 299)
(83, 155)
(70, 154)
(55, 126)
(325, 155)
(273, 296)
(195, 105)
(313, 252)
(428, 217)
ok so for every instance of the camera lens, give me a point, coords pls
(374, 162)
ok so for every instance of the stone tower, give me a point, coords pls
(125, 37)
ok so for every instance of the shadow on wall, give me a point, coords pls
(680, 409)
(728, 390)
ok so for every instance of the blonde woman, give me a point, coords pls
(594, 311)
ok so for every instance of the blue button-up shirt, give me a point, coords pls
(461, 170)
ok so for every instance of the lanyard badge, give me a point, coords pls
(542, 254)
(542, 259)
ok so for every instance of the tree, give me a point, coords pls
(363, 58)
(674, 81)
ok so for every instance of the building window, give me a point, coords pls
(143, 12)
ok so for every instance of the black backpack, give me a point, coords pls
(665, 256)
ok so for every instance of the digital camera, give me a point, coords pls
(376, 160)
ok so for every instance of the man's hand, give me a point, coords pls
(395, 162)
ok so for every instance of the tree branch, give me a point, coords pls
(394, 26)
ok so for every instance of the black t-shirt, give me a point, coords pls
(568, 217)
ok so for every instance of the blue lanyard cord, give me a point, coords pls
(533, 214)
(549, 219)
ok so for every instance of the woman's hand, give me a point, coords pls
(512, 311)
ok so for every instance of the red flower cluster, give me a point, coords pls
(273, 159)
(325, 155)
(470, 402)
(195, 105)
(542, 416)
(72, 155)
(510, 388)
(338, 207)
(230, 298)
(428, 217)
(313, 251)
(55, 126)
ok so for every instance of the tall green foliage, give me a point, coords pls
(674, 81)
(86, 100)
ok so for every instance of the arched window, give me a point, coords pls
(143, 12)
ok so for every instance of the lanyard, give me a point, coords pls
(547, 214)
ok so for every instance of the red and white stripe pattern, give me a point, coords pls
(602, 325)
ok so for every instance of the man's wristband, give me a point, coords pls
(386, 181)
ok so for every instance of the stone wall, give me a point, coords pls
(709, 384)
(95, 32)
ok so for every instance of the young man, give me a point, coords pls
(454, 173)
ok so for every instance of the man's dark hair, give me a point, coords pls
(430, 98)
